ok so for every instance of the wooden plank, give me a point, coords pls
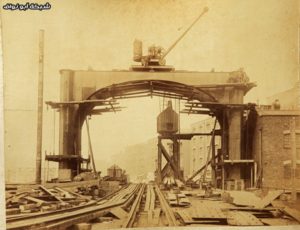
(156, 214)
(245, 198)
(278, 204)
(168, 158)
(250, 209)
(118, 213)
(51, 193)
(237, 218)
(278, 221)
(12, 211)
(35, 200)
(148, 197)
(74, 194)
(217, 222)
(15, 198)
(272, 195)
(25, 207)
(65, 193)
(150, 217)
(152, 201)
(184, 202)
(293, 213)
(184, 216)
(207, 213)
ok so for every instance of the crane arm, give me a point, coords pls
(185, 32)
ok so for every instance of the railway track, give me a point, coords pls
(151, 209)
(65, 218)
(145, 206)
(134, 209)
(166, 208)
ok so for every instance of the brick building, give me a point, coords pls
(272, 148)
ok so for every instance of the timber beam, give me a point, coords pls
(169, 159)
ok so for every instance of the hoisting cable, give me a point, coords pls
(90, 147)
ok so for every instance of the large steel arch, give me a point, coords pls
(135, 89)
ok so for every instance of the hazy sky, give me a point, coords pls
(260, 36)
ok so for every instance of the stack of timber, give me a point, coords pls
(43, 200)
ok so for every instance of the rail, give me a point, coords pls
(166, 208)
(134, 209)
(65, 218)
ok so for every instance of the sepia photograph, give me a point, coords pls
(167, 114)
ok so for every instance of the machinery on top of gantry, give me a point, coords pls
(155, 59)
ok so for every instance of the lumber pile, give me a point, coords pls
(42, 200)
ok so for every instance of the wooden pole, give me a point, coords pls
(38, 178)
(90, 147)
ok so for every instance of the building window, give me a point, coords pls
(200, 161)
(287, 171)
(287, 139)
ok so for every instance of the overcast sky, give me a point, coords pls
(259, 36)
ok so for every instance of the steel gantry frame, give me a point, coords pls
(85, 93)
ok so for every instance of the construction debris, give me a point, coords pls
(245, 198)
(42, 200)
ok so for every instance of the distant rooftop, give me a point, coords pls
(279, 112)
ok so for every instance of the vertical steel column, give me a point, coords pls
(224, 143)
(176, 157)
(234, 132)
(38, 178)
(66, 119)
